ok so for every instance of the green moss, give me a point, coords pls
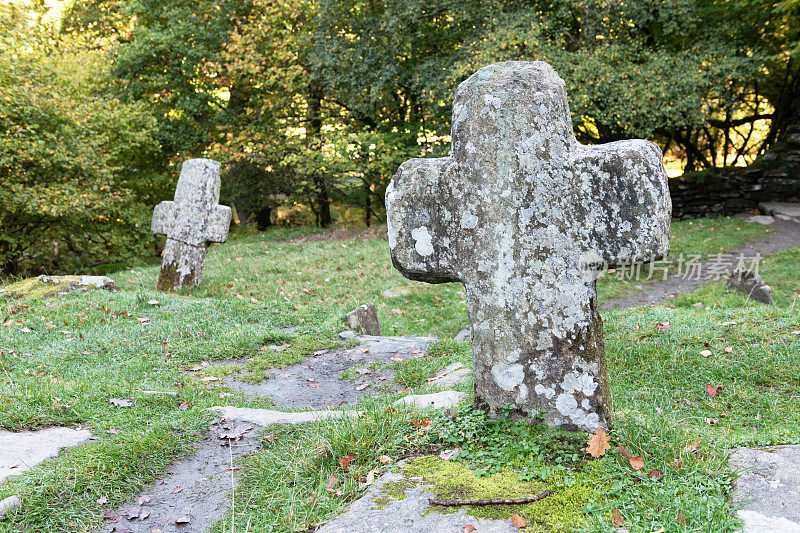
(451, 480)
(34, 288)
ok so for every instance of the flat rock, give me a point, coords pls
(788, 209)
(397, 292)
(768, 488)
(21, 451)
(765, 220)
(9, 504)
(451, 375)
(265, 417)
(463, 335)
(47, 286)
(437, 400)
(317, 383)
(364, 319)
(406, 515)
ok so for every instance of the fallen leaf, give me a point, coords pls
(184, 406)
(624, 451)
(518, 522)
(143, 499)
(467, 528)
(421, 423)
(176, 490)
(448, 454)
(677, 464)
(253, 300)
(656, 474)
(706, 353)
(680, 519)
(712, 390)
(385, 459)
(143, 320)
(397, 311)
(121, 402)
(153, 302)
(662, 327)
(332, 482)
(729, 349)
(598, 443)
(102, 500)
(617, 518)
(692, 446)
(132, 513)
(345, 461)
(637, 462)
(370, 479)
(362, 386)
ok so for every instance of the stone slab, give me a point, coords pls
(765, 220)
(407, 515)
(265, 417)
(768, 488)
(22, 450)
(438, 400)
(450, 375)
(788, 209)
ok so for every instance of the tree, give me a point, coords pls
(75, 162)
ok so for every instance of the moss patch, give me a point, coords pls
(36, 288)
(451, 480)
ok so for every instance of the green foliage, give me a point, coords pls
(76, 162)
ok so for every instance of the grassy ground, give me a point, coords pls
(62, 360)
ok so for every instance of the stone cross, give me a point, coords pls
(191, 221)
(516, 212)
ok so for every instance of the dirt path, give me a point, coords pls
(786, 234)
(196, 491)
(315, 383)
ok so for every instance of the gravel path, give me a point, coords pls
(786, 234)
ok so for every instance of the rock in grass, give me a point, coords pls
(450, 375)
(9, 504)
(750, 284)
(438, 400)
(190, 222)
(523, 215)
(364, 320)
(47, 286)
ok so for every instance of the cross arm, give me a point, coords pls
(622, 201)
(218, 224)
(163, 216)
(422, 215)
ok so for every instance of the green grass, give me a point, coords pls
(299, 292)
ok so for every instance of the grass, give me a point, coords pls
(62, 359)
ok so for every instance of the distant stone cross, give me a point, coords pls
(515, 213)
(190, 222)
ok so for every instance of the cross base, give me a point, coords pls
(182, 266)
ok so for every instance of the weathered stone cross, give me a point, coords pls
(190, 222)
(514, 213)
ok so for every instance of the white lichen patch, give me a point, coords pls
(468, 220)
(422, 240)
(508, 376)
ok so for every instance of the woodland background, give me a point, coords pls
(311, 105)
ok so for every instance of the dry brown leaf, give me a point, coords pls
(637, 462)
(617, 518)
(421, 423)
(598, 443)
(143, 499)
(655, 473)
(467, 528)
(692, 446)
(332, 482)
(345, 461)
(518, 522)
(624, 451)
(712, 390)
(370, 479)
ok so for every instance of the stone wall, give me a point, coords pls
(775, 177)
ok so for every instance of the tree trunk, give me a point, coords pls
(315, 129)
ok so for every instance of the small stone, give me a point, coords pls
(348, 334)
(463, 335)
(438, 400)
(450, 375)
(364, 320)
(749, 283)
(396, 292)
(190, 222)
(762, 219)
(9, 504)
